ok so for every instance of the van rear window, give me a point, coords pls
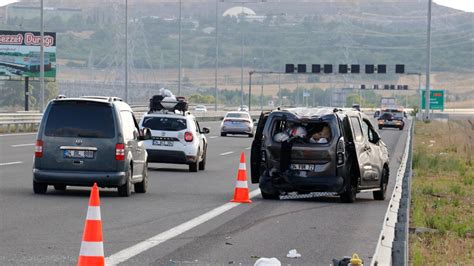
(80, 119)
(164, 123)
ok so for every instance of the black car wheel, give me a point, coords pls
(251, 135)
(223, 134)
(380, 195)
(270, 196)
(202, 164)
(401, 128)
(39, 188)
(60, 187)
(142, 187)
(349, 196)
(380, 128)
(125, 190)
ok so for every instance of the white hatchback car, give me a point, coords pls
(237, 123)
(177, 139)
(200, 108)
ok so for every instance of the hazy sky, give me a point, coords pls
(466, 5)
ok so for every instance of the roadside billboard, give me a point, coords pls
(20, 54)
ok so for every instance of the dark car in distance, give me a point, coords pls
(87, 140)
(307, 150)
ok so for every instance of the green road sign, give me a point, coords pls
(436, 99)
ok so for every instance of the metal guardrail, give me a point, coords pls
(30, 121)
(392, 245)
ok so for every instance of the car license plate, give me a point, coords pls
(162, 143)
(302, 167)
(78, 154)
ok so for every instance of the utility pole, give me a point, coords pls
(126, 51)
(216, 94)
(42, 56)
(179, 51)
(428, 65)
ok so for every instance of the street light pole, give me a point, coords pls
(42, 55)
(242, 57)
(428, 65)
(126, 51)
(179, 51)
(216, 94)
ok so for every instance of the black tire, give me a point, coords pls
(60, 187)
(142, 187)
(380, 128)
(125, 190)
(401, 128)
(202, 164)
(223, 134)
(251, 135)
(380, 195)
(349, 196)
(270, 196)
(39, 188)
(193, 167)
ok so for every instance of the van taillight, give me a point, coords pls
(119, 152)
(188, 137)
(340, 151)
(39, 148)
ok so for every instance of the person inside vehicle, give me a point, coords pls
(323, 136)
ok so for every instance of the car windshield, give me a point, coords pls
(80, 119)
(386, 116)
(397, 114)
(164, 123)
(237, 115)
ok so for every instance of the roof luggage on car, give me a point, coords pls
(168, 102)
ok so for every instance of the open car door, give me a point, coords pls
(256, 153)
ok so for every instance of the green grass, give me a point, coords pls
(442, 194)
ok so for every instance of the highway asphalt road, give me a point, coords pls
(47, 229)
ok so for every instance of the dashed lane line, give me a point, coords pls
(23, 145)
(226, 153)
(10, 163)
(158, 239)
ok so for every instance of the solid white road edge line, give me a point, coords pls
(227, 153)
(23, 145)
(154, 241)
(1, 164)
(213, 137)
(17, 134)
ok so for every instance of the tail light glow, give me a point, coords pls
(119, 152)
(188, 137)
(39, 149)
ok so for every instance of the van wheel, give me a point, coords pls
(39, 188)
(380, 195)
(202, 164)
(142, 187)
(60, 187)
(349, 196)
(125, 190)
(270, 196)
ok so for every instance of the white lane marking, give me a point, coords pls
(1, 164)
(227, 153)
(18, 134)
(154, 241)
(213, 137)
(23, 145)
(248, 148)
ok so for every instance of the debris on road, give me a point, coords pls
(267, 262)
(293, 254)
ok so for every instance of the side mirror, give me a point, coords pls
(205, 130)
(145, 134)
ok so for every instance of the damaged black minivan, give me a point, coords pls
(308, 150)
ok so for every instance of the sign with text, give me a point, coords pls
(436, 99)
(20, 54)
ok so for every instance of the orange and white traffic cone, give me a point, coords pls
(92, 246)
(241, 193)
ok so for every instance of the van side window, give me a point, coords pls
(370, 130)
(359, 137)
(128, 125)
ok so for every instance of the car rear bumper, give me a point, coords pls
(164, 156)
(236, 130)
(392, 125)
(73, 178)
(302, 184)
